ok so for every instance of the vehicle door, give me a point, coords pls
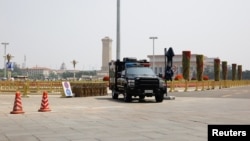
(121, 80)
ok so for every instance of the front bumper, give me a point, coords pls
(145, 91)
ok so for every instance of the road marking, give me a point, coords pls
(106, 107)
(228, 95)
(100, 107)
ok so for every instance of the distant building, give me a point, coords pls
(36, 71)
(63, 67)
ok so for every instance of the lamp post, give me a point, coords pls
(74, 62)
(4, 64)
(118, 31)
(153, 38)
(27, 72)
(9, 64)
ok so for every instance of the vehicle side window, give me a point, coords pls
(123, 74)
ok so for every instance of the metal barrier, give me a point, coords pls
(31, 86)
(193, 85)
(79, 88)
(91, 88)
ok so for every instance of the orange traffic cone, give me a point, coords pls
(17, 108)
(45, 103)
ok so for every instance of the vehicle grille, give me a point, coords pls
(147, 83)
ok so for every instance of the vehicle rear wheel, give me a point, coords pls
(114, 94)
(159, 97)
(127, 97)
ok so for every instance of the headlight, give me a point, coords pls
(162, 83)
(131, 83)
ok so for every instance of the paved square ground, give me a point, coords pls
(101, 118)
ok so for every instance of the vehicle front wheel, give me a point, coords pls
(142, 97)
(159, 97)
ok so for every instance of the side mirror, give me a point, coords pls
(119, 74)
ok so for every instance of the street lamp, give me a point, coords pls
(74, 62)
(4, 64)
(153, 38)
(9, 64)
(118, 31)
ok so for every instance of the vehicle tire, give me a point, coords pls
(127, 97)
(159, 97)
(114, 94)
(141, 97)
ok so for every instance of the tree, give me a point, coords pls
(37, 76)
(67, 74)
(246, 74)
(53, 75)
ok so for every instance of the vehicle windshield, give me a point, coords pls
(135, 71)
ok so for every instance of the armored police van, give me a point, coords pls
(134, 78)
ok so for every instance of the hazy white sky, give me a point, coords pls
(50, 32)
